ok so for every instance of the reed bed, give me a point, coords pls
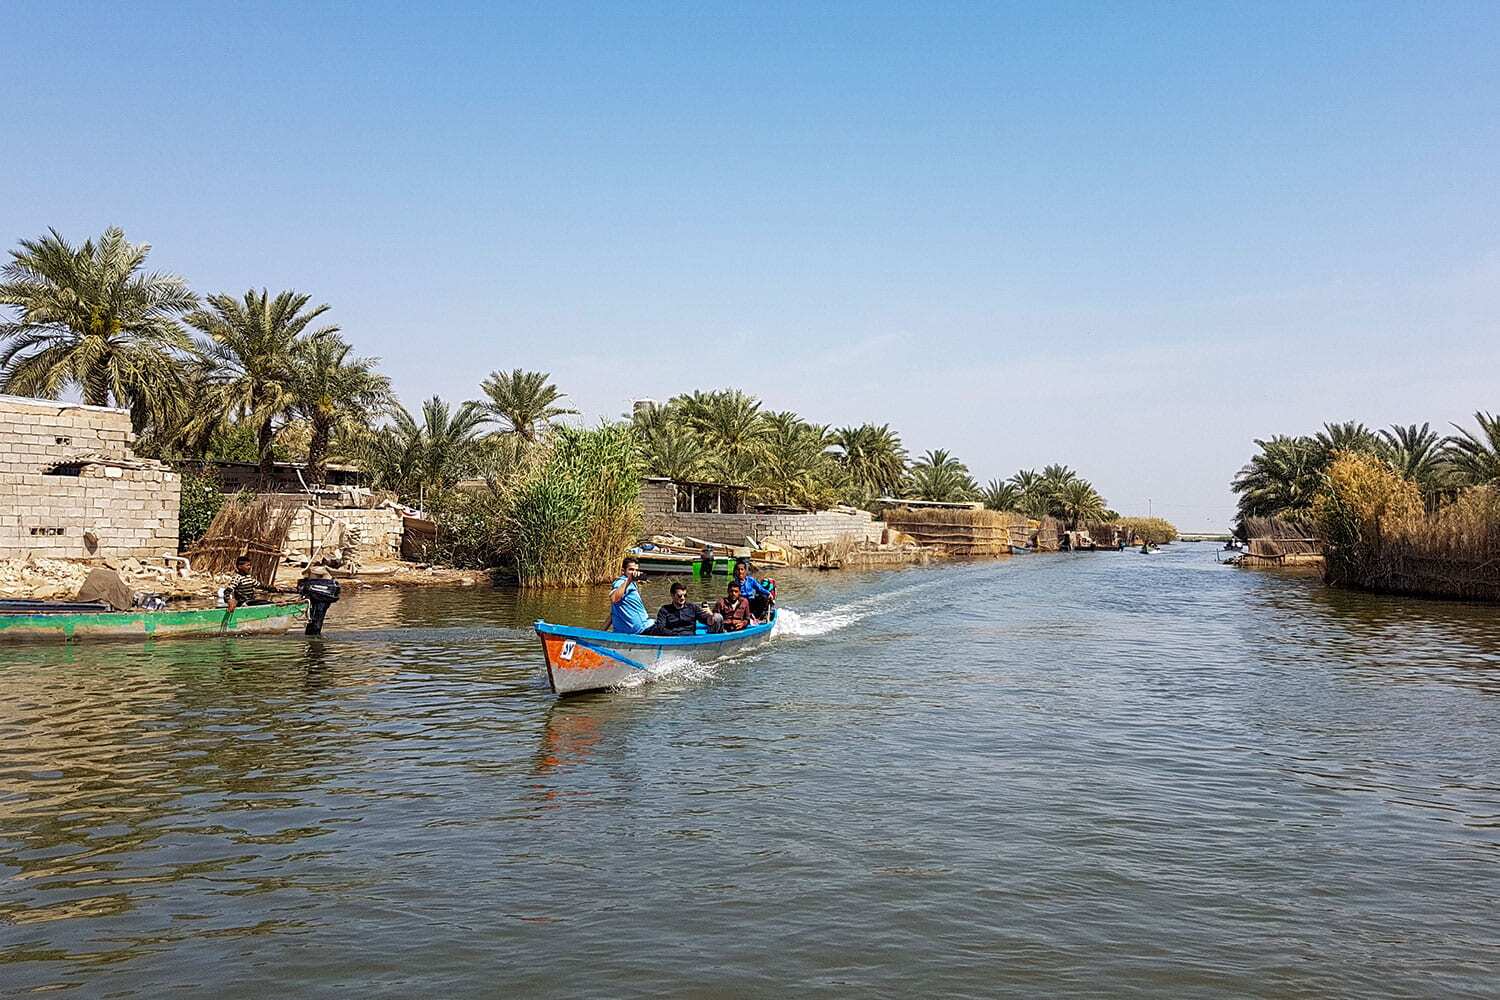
(1453, 553)
(958, 532)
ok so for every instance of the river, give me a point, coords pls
(1049, 776)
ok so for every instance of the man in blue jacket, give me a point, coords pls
(752, 590)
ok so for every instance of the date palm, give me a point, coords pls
(796, 467)
(937, 475)
(247, 360)
(732, 427)
(525, 401)
(334, 393)
(1281, 479)
(413, 455)
(1417, 454)
(1001, 495)
(1034, 494)
(1475, 458)
(873, 458)
(88, 318)
(1079, 503)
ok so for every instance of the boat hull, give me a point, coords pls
(253, 619)
(581, 659)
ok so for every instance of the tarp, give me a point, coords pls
(106, 585)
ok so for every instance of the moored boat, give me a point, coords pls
(661, 563)
(585, 659)
(73, 622)
(1021, 550)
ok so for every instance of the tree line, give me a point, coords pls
(261, 377)
(1288, 474)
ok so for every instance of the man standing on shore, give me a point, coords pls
(627, 613)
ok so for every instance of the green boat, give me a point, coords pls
(39, 621)
(655, 562)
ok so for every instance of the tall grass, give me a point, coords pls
(570, 516)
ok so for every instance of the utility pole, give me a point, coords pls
(1148, 507)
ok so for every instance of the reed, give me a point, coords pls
(254, 527)
(1155, 530)
(960, 532)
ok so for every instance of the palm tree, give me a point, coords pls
(1034, 492)
(731, 426)
(334, 393)
(410, 456)
(796, 467)
(1351, 435)
(525, 401)
(873, 457)
(937, 475)
(1079, 502)
(1417, 454)
(1475, 458)
(1282, 478)
(1001, 495)
(247, 359)
(89, 319)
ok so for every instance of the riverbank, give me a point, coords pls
(59, 579)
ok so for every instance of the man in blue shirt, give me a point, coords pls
(752, 590)
(627, 613)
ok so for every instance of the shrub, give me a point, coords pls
(1155, 530)
(202, 497)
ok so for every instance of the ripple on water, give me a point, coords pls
(1085, 775)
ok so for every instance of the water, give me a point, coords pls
(1053, 776)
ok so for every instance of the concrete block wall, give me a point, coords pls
(129, 505)
(131, 513)
(379, 531)
(800, 530)
(36, 434)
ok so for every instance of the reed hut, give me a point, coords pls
(1275, 542)
(957, 532)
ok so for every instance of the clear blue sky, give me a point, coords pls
(1125, 237)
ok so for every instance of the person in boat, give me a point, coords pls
(734, 610)
(681, 616)
(757, 593)
(627, 612)
(243, 587)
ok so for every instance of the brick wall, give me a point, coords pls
(794, 529)
(379, 531)
(129, 505)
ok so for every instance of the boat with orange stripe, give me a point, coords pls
(585, 659)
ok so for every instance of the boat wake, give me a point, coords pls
(807, 624)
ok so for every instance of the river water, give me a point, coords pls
(1087, 775)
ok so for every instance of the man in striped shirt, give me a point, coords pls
(242, 587)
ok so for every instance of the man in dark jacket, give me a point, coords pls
(681, 617)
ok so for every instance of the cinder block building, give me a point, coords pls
(71, 488)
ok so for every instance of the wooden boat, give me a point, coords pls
(33, 620)
(1021, 550)
(660, 563)
(585, 659)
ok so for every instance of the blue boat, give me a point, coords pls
(586, 659)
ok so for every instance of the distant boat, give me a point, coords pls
(72, 621)
(1021, 550)
(586, 659)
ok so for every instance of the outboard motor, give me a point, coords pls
(321, 594)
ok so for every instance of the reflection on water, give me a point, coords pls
(1071, 775)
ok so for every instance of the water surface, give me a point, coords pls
(1051, 776)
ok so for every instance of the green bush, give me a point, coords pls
(202, 497)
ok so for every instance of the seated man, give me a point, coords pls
(627, 613)
(734, 610)
(242, 588)
(681, 617)
(757, 593)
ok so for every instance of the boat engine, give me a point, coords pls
(321, 594)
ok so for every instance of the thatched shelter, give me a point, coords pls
(957, 532)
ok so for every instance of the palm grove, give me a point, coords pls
(262, 377)
(1384, 501)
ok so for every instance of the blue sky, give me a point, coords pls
(1126, 237)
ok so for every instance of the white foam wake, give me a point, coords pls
(805, 624)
